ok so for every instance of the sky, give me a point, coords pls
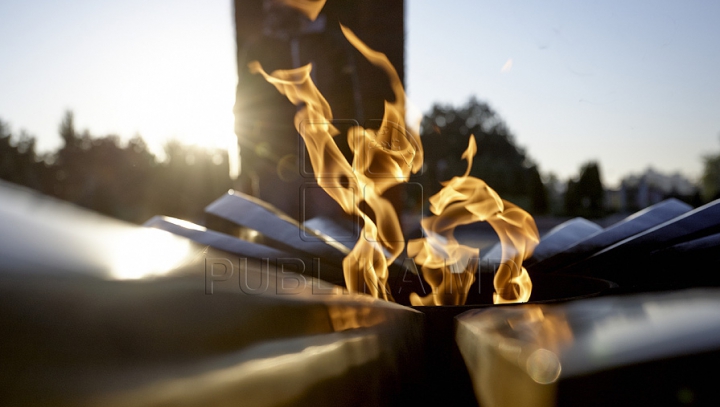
(630, 84)
(159, 68)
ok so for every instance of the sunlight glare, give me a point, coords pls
(176, 84)
(141, 253)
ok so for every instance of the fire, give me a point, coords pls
(310, 8)
(384, 158)
(448, 266)
(518, 236)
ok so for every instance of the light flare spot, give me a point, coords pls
(507, 67)
(543, 366)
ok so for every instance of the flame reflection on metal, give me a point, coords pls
(518, 355)
(259, 381)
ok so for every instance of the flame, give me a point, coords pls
(382, 159)
(518, 236)
(448, 266)
(310, 8)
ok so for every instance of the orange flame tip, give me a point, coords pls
(310, 8)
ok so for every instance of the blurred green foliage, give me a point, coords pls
(121, 180)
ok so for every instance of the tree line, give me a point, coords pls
(510, 171)
(125, 180)
(121, 180)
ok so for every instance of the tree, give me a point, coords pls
(585, 197)
(122, 180)
(190, 179)
(67, 129)
(125, 181)
(505, 167)
(539, 197)
(555, 190)
(711, 178)
(19, 163)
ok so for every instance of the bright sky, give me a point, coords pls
(628, 83)
(161, 68)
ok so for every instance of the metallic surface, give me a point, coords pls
(649, 349)
(98, 312)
